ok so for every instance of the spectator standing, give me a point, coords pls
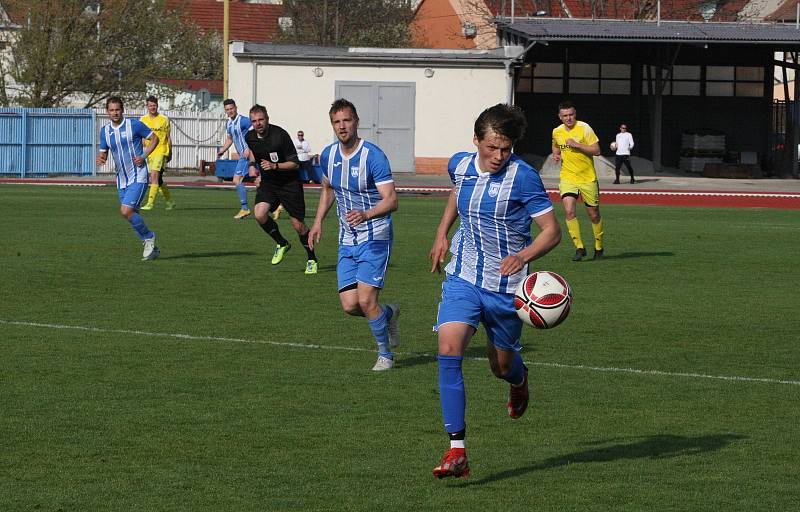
(622, 146)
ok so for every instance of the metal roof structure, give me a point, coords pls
(385, 56)
(603, 30)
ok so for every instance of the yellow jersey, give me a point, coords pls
(160, 126)
(576, 166)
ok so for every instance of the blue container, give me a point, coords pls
(225, 169)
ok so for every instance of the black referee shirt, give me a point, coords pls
(276, 147)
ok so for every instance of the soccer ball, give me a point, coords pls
(543, 299)
(613, 146)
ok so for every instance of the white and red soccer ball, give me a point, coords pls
(543, 299)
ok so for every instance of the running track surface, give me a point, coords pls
(694, 198)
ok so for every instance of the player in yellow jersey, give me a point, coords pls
(574, 145)
(159, 123)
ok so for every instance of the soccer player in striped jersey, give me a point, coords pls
(236, 128)
(497, 197)
(574, 145)
(357, 175)
(159, 123)
(123, 138)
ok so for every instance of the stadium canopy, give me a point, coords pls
(673, 76)
(545, 30)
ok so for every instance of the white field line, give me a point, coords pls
(581, 367)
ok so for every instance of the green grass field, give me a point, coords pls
(210, 380)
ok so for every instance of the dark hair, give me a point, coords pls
(259, 108)
(506, 120)
(566, 104)
(342, 104)
(152, 99)
(228, 102)
(115, 99)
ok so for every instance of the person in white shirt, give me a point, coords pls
(622, 146)
(305, 157)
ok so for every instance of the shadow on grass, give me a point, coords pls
(414, 360)
(626, 255)
(191, 255)
(660, 446)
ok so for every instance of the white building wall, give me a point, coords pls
(447, 103)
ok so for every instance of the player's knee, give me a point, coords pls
(352, 309)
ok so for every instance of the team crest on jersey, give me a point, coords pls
(273, 157)
(494, 189)
(354, 171)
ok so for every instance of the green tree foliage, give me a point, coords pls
(373, 23)
(88, 50)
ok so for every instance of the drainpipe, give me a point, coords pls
(509, 61)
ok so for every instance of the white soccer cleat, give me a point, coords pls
(150, 252)
(394, 325)
(383, 364)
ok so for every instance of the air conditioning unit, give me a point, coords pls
(469, 30)
(285, 23)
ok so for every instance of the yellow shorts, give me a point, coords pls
(156, 162)
(590, 192)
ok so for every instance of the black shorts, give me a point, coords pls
(290, 195)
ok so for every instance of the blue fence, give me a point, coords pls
(46, 141)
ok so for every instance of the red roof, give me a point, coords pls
(787, 11)
(213, 86)
(253, 22)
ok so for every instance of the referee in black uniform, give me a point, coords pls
(274, 163)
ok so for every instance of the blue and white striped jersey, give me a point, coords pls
(355, 181)
(496, 212)
(237, 128)
(125, 143)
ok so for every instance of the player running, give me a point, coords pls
(357, 174)
(574, 145)
(159, 123)
(273, 160)
(123, 137)
(236, 128)
(497, 196)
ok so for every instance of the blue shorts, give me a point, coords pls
(466, 303)
(241, 167)
(363, 263)
(133, 194)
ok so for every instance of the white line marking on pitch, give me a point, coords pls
(356, 349)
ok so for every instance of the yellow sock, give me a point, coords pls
(151, 194)
(575, 232)
(165, 192)
(598, 235)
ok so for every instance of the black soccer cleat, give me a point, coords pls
(579, 254)
(598, 254)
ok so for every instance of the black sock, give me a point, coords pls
(457, 436)
(309, 250)
(271, 228)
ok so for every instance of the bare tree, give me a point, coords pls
(377, 23)
(92, 49)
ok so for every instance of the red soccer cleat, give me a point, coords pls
(518, 399)
(454, 463)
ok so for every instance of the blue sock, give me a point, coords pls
(452, 395)
(380, 329)
(240, 188)
(140, 227)
(516, 374)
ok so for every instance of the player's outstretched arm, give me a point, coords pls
(440, 242)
